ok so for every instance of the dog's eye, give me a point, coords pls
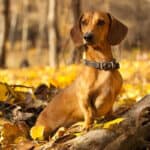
(84, 22)
(100, 22)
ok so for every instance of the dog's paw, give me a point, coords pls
(87, 126)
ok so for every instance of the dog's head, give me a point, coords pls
(94, 28)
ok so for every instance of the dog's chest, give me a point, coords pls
(103, 77)
(92, 79)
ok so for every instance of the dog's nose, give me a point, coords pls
(88, 36)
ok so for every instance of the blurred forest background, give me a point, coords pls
(34, 32)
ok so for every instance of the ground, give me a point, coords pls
(26, 89)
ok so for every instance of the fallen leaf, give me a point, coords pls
(37, 132)
(111, 123)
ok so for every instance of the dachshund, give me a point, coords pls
(93, 93)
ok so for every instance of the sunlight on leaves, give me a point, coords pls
(111, 123)
(3, 92)
(19, 85)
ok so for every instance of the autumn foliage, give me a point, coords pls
(25, 92)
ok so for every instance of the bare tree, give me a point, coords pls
(76, 9)
(41, 27)
(6, 32)
(52, 27)
(107, 5)
(13, 22)
(25, 4)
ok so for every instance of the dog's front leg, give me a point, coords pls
(88, 112)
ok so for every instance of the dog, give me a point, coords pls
(93, 93)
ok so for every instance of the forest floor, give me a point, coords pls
(19, 89)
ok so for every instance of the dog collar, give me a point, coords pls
(109, 65)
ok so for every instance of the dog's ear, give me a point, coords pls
(117, 31)
(76, 34)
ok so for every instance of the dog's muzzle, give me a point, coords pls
(88, 36)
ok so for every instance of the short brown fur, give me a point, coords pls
(94, 91)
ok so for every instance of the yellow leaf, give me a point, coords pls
(77, 134)
(109, 124)
(20, 139)
(4, 92)
(37, 132)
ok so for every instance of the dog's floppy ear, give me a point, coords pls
(117, 31)
(76, 34)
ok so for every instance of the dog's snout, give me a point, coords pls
(88, 36)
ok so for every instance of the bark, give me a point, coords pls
(42, 23)
(76, 9)
(6, 32)
(13, 26)
(131, 134)
(24, 62)
(52, 33)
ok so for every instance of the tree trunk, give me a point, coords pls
(42, 22)
(76, 9)
(131, 134)
(24, 62)
(52, 27)
(6, 33)
(107, 5)
(13, 26)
